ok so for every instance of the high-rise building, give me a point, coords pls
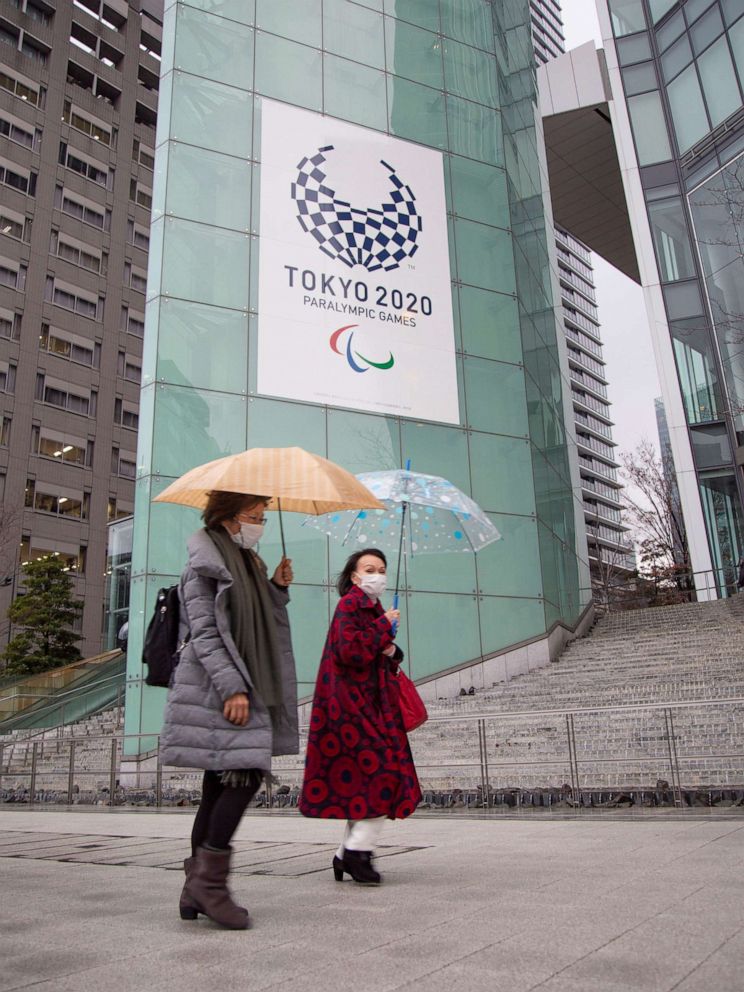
(78, 100)
(609, 546)
(335, 172)
(677, 76)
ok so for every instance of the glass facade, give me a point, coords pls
(453, 75)
(682, 70)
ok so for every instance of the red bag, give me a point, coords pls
(412, 707)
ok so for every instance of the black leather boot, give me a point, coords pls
(359, 865)
(185, 907)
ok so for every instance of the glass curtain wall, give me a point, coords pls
(681, 71)
(455, 75)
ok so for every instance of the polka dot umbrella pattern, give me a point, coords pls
(435, 515)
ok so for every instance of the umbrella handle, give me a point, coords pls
(395, 607)
(281, 527)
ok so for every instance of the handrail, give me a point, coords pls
(80, 690)
(472, 717)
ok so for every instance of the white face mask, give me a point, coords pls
(374, 584)
(248, 535)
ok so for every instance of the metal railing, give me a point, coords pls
(568, 752)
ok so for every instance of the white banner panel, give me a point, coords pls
(355, 306)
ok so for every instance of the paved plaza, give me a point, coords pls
(602, 904)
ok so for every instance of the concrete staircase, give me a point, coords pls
(675, 654)
(690, 653)
(93, 745)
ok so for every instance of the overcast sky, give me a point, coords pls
(631, 369)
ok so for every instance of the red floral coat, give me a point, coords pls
(358, 762)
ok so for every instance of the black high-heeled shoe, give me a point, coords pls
(359, 865)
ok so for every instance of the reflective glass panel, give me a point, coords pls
(636, 48)
(688, 109)
(354, 32)
(627, 17)
(659, 8)
(414, 53)
(704, 31)
(484, 256)
(501, 469)
(675, 60)
(479, 191)
(490, 325)
(639, 78)
(205, 347)
(696, 369)
(719, 82)
(470, 73)
(298, 21)
(215, 48)
(649, 128)
(506, 621)
(443, 631)
(288, 71)
(234, 10)
(736, 37)
(195, 426)
(710, 446)
(496, 398)
(208, 187)
(670, 31)
(417, 112)
(522, 578)
(205, 264)
(470, 21)
(422, 12)
(211, 115)
(671, 240)
(474, 131)
(272, 424)
(354, 92)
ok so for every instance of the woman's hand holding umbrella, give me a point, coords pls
(283, 576)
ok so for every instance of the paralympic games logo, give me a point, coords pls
(375, 237)
(353, 357)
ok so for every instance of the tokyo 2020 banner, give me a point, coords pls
(355, 306)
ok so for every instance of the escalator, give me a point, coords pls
(96, 689)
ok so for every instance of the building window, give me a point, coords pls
(671, 241)
(7, 378)
(47, 498)
(65, 396)
(126, 415)
(12, 275)
(95, 129)
(73, 560)
(74, 299)
(62, 448)
(86, 211)
(143, 155)
(20, 132)
(14, 225)
(64, 344)
(85, 167)
(21, 89)
(10, 325)
(123, 463)
(627, 17)
(5, 431)
(133, 322)
(78, 253)
(649, 128)
(138, 236)
(17, 178)
(134, 277)
(140, 194)
(129, 368)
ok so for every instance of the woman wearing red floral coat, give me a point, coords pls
(359, 766)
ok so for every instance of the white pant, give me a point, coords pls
(361, 835)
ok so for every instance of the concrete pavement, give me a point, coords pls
(88, 901)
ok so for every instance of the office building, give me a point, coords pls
(610, 549)
(267, 109)
(677, 76)
(78, 100)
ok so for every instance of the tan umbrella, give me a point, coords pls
(295, 479)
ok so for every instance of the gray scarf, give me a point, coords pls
(252, 620)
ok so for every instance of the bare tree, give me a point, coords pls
(655, 514)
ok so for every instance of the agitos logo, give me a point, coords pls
(352, 356)
(375, 237)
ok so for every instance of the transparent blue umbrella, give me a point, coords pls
(424, 514)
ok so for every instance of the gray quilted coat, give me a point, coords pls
(195, 733)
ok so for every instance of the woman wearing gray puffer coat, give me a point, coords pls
(232, 703)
